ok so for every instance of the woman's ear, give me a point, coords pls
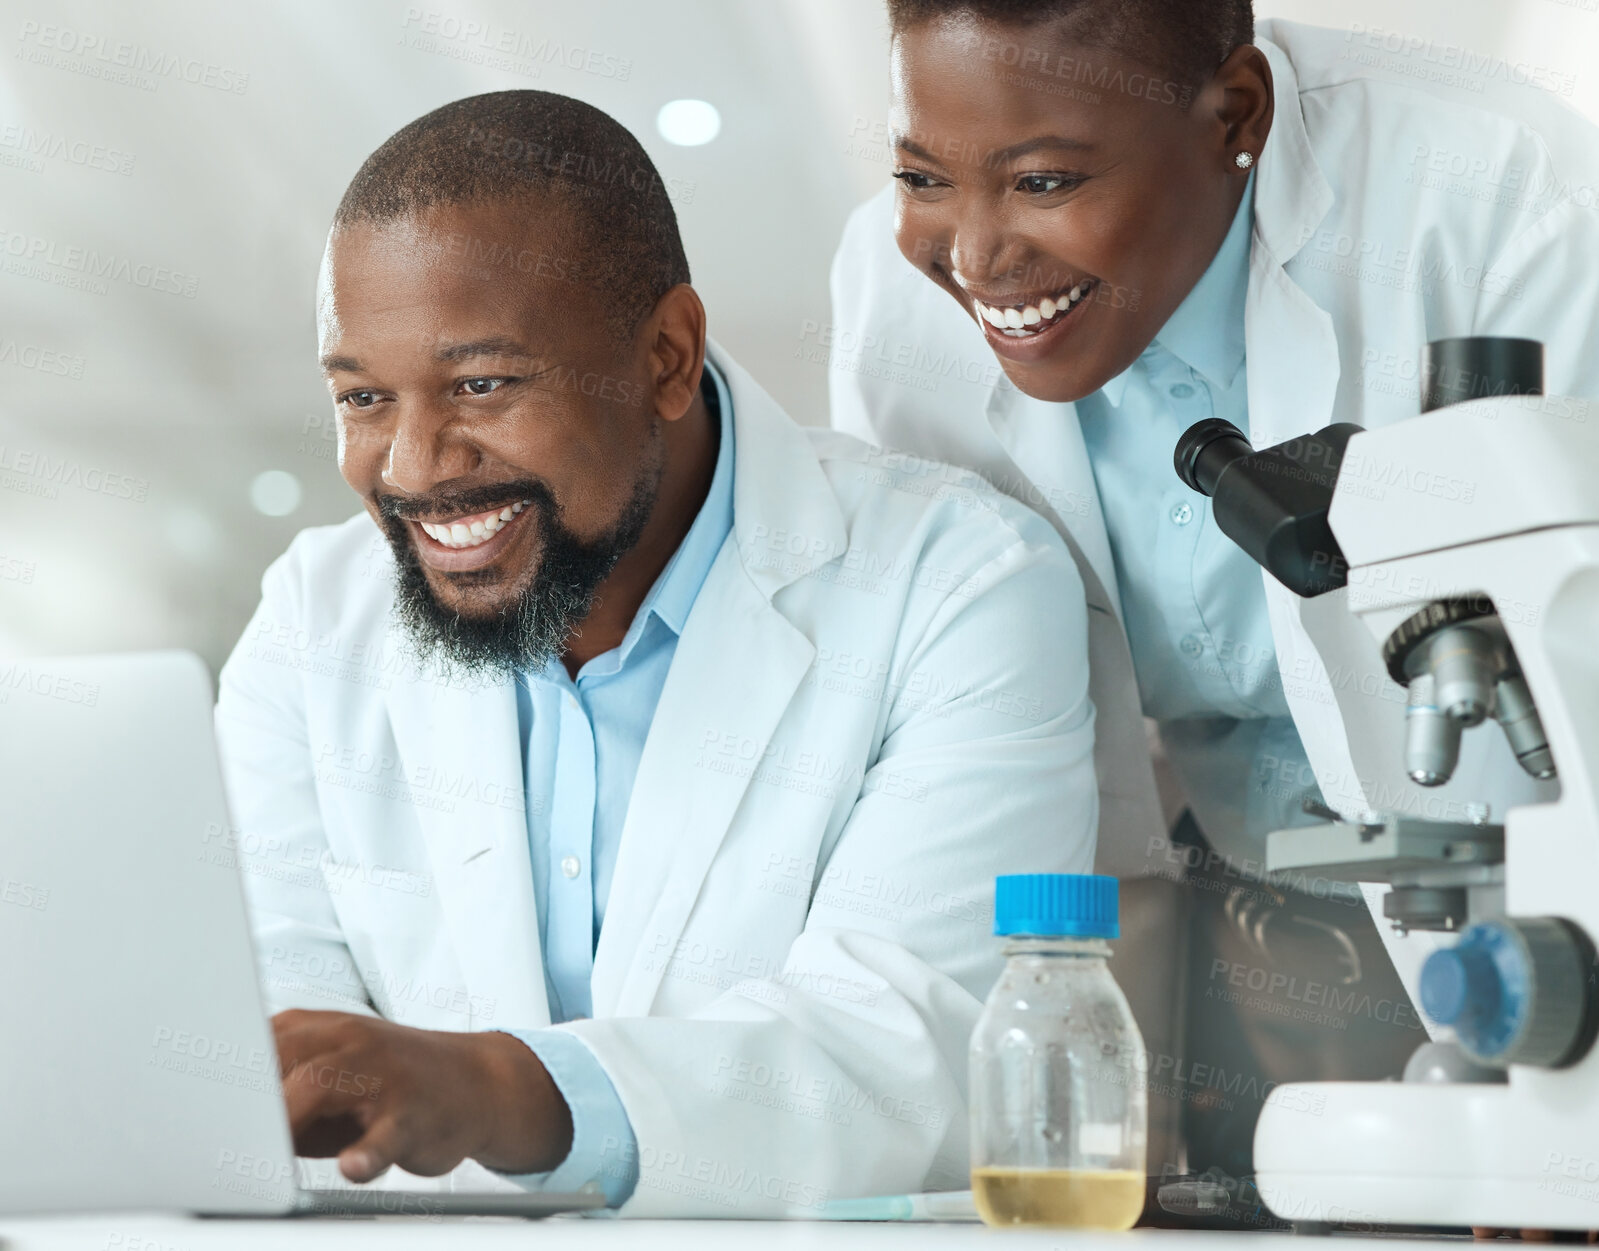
(1242, 96)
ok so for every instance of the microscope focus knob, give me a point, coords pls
(1516, 991)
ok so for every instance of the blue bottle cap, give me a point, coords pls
(1056, 905)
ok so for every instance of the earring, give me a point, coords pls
(1244, 160)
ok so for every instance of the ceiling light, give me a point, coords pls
(688, 123)
(275, 493)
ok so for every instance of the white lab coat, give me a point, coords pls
(869, 715)
(1389, 211)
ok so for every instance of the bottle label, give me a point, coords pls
(1099, 1138)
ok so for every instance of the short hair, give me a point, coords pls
(1185, 38)
(507, 145)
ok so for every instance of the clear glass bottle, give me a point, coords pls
(1058, 1106)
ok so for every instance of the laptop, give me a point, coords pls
(137, 1069)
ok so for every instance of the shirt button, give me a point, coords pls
(571, 866)
(1182, 514)
(1191, 645)
(1182, 390)
(571, 700)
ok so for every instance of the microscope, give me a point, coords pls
(1460, 549)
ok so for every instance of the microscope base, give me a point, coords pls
(1377, 1154)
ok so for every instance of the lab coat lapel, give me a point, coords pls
(735, 671)
(1293, 371)
(1290, 344)
(467, 739)
(1045, 442)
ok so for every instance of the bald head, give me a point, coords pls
(536, 150)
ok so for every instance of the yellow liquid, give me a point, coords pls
(1059, 1197)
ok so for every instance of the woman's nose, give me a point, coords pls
(982, 253)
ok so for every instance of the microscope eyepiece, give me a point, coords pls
(1206, 448)
(1273, 502)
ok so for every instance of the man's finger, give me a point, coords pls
(377, 1149)
(319, 1090)
(302, 1035)
(320, 1139)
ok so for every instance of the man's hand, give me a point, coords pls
(375, 1094)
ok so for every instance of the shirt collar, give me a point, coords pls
(1206, 332)
(678, 585)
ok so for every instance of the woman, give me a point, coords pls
(1148, 213)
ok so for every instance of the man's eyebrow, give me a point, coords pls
(906, 144)
(495, 346)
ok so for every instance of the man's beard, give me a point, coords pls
(526, 634)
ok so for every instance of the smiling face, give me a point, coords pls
(506, 442)
(1067, 197)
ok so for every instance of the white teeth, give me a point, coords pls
(1029, 320)
(472, 534)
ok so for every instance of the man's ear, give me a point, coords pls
(676, 350)
(1244, 100)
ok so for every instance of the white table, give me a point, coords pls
(135, 1232)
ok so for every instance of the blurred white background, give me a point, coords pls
(163, 429)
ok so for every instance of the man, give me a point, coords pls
(652, 757)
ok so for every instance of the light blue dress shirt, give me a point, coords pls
(1193, 603)
(582, 741)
